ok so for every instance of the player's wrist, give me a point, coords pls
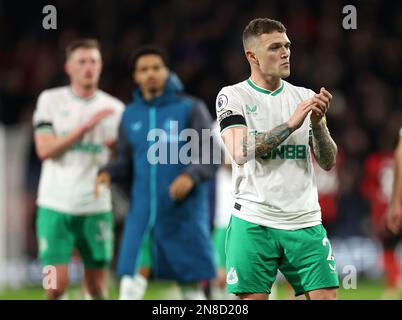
(318, 124)
(81, 131)
(291, 125)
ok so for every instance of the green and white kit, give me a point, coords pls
(276, 218)
(69, 214)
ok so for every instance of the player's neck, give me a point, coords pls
(269, 83)
(83, 92)
(149, 95)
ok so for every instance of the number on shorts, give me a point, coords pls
(324, 243)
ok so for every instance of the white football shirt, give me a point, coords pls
(279, 189)
(67, 182)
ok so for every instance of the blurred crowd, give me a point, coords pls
(203, 38)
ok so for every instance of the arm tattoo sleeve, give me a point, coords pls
(324, 148)
(258, 145)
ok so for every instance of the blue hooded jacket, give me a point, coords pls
(179, 231)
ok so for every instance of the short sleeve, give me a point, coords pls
(229, 109)
(43, 117)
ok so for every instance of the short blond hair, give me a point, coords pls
(259, 26)
(82, 43)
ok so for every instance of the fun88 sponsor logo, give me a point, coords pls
(287, 151)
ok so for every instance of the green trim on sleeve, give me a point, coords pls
(44, 130)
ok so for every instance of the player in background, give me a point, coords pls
(381, 188)
(394, 216)
(167, 231)
(271, 129)
(75, 127)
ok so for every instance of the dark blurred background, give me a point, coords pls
(362, 68)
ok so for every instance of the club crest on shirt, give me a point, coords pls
(65, 113)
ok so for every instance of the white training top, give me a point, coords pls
(67, 182)
(279, 189)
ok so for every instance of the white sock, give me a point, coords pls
(274, 292)
(64, 296)
(132, 288)
(218, 293)
(87, 296)
(192, 291)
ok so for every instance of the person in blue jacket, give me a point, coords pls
(167, 230)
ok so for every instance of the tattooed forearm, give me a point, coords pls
(324, 147)
(262, 142)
